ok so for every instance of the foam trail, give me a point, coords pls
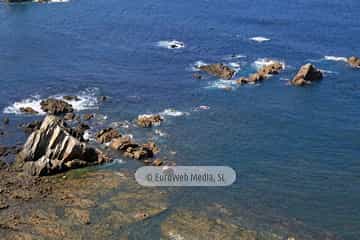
(173, 113)
(260, 39)
(173, 44)
(334, 58)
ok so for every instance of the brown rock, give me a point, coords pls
(133, 150)
(256, 77)
(157, 162)
(106, 135)
(219, 70)
(354, 62)
(48, 149)
(56, 106)
(306, 75)
(28, 110)
(273, 68)
(149, 120)
(88, 116)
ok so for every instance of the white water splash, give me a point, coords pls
(334, 58)
(173, 44)
(260, 39)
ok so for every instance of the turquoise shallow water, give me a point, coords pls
(296, 150)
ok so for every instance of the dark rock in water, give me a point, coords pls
(102, 98)
(69, 116)
(219, 70)
(71, 98)
(28, 110)
(6, 120)
(306, 75)
(52, 149)
(197, 76)
(149, 120)
(354, 62)
(30, 127)
(157, 162)
(272, 69)
(106, 135)
(88, 116)
(56, 106)
(133, 150)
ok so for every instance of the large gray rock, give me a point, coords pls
(52, 149)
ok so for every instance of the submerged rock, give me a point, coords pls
(6, 120)
(52, 149)
(71, 98)
(306, 75)
(219, 70)
(106, 135)
(149, 120)
(28, 110)
(88, 116)
(69, 116)
(56, 106)
(354, 62)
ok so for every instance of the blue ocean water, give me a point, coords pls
(296, 150)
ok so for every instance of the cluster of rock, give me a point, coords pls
(262, 74)
(126, 145)
(306, 75)
(354, 62)
(53, 148)
(219, 70)
(149, 120)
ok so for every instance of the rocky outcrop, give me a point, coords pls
(149, 120)
(106, 135)
(133, 150)
(69, 116)
(219, 70)
(52, 149)
(56, 106)
(354, 62)
(28, 110)
(263, 73)
(306, 75)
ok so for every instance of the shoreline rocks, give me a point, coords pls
(106, 135)
(147, 121)
(354, 62)
(28, 110)
(53, 149)
(307, 74)
(219, 70)
(56, 106)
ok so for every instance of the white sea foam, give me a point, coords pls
(173, 113)
(223, 84)
(160, 133)
(195, 67)
(260, 39)
(87, 100)
(234, 56)
(52, 1)
(173, 44)
(333, 58)
(201, 108)
(261, 62)
(235, 65)
(175, 236)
